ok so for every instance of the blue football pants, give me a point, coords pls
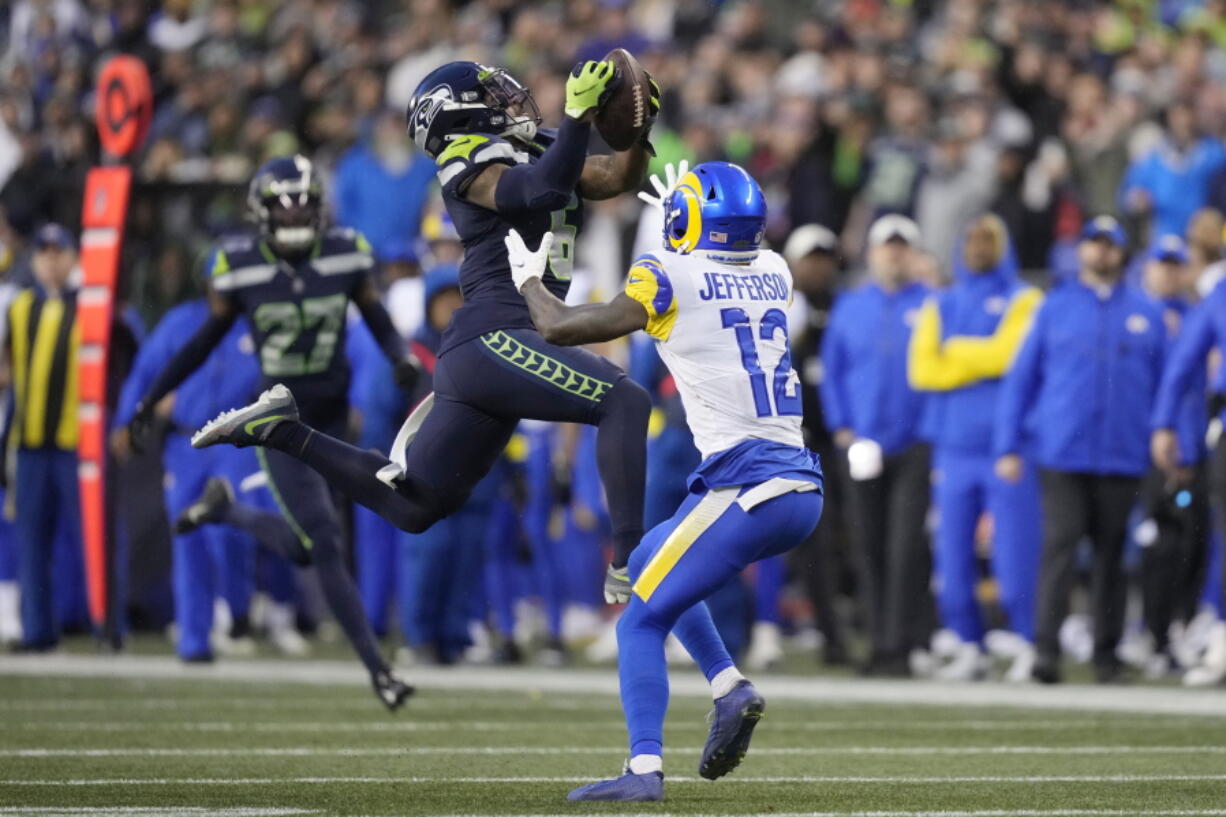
(708, 541)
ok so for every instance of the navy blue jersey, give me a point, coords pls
(491, 301)
(296, 308)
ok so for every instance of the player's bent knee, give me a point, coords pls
(627, 398)
(639, 618)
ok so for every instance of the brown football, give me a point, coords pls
(624, 115)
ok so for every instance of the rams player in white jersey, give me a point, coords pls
(715, 303)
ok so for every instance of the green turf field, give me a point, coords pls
(171, 746)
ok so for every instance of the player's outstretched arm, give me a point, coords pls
(222, 314)
(406, 369)
(557, 322)
(549, 183)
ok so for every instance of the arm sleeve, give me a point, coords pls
(834, 401)
(1188, 352)
(1017, 390)
(151, 358)
(383, 330)
(549, 183)
(189, 358)
(648, 284)
(971, 359)
(928, 368)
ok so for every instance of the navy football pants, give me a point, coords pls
(483, 388)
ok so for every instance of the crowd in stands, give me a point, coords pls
(1005, 221)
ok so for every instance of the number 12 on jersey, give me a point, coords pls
(773, 321)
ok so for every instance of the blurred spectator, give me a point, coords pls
(898, 158)
(963, 344)
(1174, 537)
(1203, 329)
(1204, 246)
(959, 183)
(874, 417)
(381, 186)
(1171, 182)
(42, 356)
(1084, 381)
(812, 253)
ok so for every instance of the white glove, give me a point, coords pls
(525, 264)
(664, 189)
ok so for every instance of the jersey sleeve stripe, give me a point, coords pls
(649, 285)
(244, 277)
(346, 262)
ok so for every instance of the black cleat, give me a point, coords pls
(732, 723)
(1047, 670)
(209, 508)
(390, 689)
(251, 424)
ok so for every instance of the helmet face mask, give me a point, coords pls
(286, 201)
(464, 97)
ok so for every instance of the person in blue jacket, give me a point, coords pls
(1173, 180)
(964, 343)
(1084, 381)
(874, 416)
(1174, 538)
(227, 379)
(1173, 444)
(385, 168)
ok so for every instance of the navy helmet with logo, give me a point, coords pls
(466, 97)
(285, 200)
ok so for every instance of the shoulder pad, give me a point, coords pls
(240, 262)
(464, 155)
(345, 239)
(343, 250)
(237, 241)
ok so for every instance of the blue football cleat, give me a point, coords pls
(629, 788)
(251, 424)
(732, 723)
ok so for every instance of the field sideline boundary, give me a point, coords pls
(687, 683)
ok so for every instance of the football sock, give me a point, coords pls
(724, 682)
(696, 631)
(353, 471)
(269, 529)
(644, 677)
(343, 601)
(621, 457)
(645, 764)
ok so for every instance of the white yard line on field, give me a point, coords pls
(973, 813)
(768, 751)
(151, 811)
(816, 725)
(904, 780)
(825, 691)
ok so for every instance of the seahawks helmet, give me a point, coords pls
(716, 210)
(286, 200)
(467, 97)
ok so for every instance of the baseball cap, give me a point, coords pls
(1104, 227)
(1171, 248)
(54, 235)
(809, 238)
(893, 227)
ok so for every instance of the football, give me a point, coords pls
(624, 115)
